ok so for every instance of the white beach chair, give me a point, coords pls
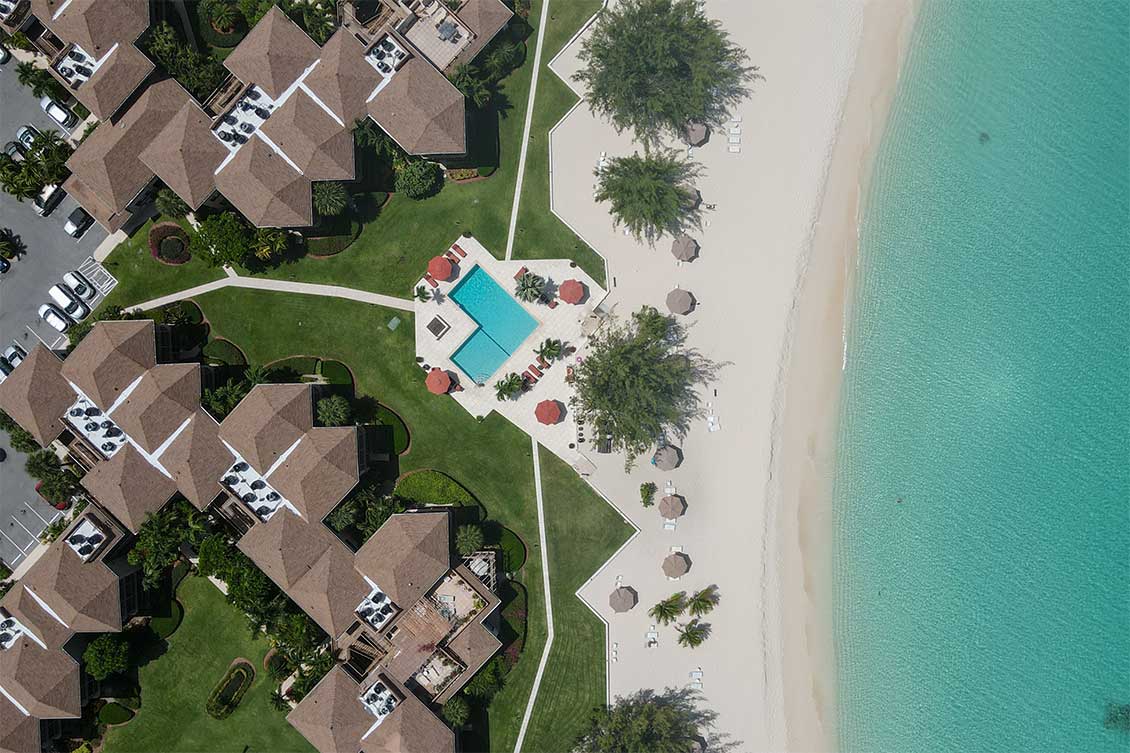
(736, 119)
(696, 674)
(736, 130)
(734, 149)
(669, 487)
(696, 685)
(668, 525)
(676, 549)
(735, 139)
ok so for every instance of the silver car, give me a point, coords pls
(15, 354)
(68, 302)
(58, 113)
(79, 285)
(54, 317)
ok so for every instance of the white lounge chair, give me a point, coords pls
(735, 139)
(734, 149)
(668, 525)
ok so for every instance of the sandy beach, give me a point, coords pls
(778, 244)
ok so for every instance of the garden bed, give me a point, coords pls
(225, 697)
(168, 243)
(221, 352)
(401, 437)
(431, 487)
(113, 714)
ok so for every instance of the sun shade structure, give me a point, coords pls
(672, 506)
(684, 248)
(623, 599)
(695, 134)
(680, 301)
(548, 412)
(440, 268)
(667, 458)
(438, 381)
(676, 565)
(571, 291)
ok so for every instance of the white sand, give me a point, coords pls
(770, 283)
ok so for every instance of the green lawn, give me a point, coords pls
(143, 278)
(175, 687)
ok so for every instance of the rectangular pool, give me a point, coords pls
(503, 325)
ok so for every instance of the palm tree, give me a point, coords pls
(278, 701)
(7, 245)
(318, 24)
(422, 295)
(693, 633)
(223, 15)
(42, 464)
(330, 198)
(269, 242)
(507, 387)
(550, 350)
(530, 287)
(470, 83)
(669, 609)
(468, 539)
(27, 74)
(500, 60)
(703, 601)
(256, 374)
(195, 525)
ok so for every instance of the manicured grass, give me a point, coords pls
(175, 687)
(575, 676)
(539, 234)
(142, 278)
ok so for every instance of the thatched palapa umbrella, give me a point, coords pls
(684, 248)
(666, 458)
(623, 599)
(676, 565)
(672, 506)
(680, 301)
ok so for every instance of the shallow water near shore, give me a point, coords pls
(983, 486)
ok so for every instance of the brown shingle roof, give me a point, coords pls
(331, 590)
(273, 54)
(107, 162)
(313, 140)
(267, 190)
(165, 398)
(343, 80)
(110, 358)
(24, 607)
(197, 459)
(474, 646)
(421, 110)
(85, 595)
(19, 733)
(114, 81)
(410, 728)
(268, 421)
(185, 155)
(129, 487)
(286, 547)
(331, 716)
(407, 555)
(44, 682)
(319, 472)
(485, 18)
(36, 395)
(106, 216)
(94, 25)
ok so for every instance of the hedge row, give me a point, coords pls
(225, 697)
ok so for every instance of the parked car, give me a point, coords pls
(58, 113)
(5, 56)
(54, 318)
(70, 303)
(79, 285)
(5, 368)
(77, 222)
(5, 265)
(26, 135)
(47, 199)
(15, 354)
(15, 150)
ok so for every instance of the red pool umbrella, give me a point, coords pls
(439, 268)
(548, 412)
(571, 291)
(438, 381)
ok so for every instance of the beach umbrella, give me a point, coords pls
(676, 565)
(571, 291)
(672, 506)
(684, 248)
(623, 599)
(438, 381)
(666, 458)
(440, 268)
(548, 412)
(695, 134)
(680, 301)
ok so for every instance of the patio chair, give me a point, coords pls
(552, 303)
(430, 280)
(543, 363)
(451, 257)
(535, 370)
(668, 525)
(521, 272)
(530, 378)
(456, 249)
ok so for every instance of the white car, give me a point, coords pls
(15, 354)
(54, 317)
(70, 303)
(77, 223)
(26, 136)
(79, 285)
(58, 113)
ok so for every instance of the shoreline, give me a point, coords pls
(808, 391)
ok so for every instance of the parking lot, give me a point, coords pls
(49, 253)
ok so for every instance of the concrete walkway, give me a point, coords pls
(234, 280)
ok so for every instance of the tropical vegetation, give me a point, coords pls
(509, 387)
(106, 655)
(529, 287)
(330, 198)
(419, 179)
(469, 539)
(196, 71)
(670, 721)
(703, 602)
(334, 411)
(650, 195)
(44, 164)
(669, 610)
(550, 349)
(169, 204)
(647, 493)
(693, 633)
(159, 539)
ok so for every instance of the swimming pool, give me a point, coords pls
(503, 325)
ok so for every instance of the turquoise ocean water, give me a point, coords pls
(988, 389)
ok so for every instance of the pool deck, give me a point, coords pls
(563, 323)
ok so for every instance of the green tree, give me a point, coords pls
(667, 722)
(487, 681)
(468, 539)
(653, 66)
(108, 654)
(220, 401)
(650, 195)
(376, 508)
(213, 555)
(41, 83)
(158, 544)
(223, 15)
(344, 515)
(457, 711)
(419, 179)
(330, 198)
(256, 374)
(369, 135)
(170, 205)
(702, 602)
(222, 239)
(470, 81)
(22, 440)
(422, 295)
(278, 701)
(42, 464)
(668, 610)
(502, 58)
(269, 242)
(48, 157)
(334, 411)
(508, 387)
(638, 382)
(317, 22)
(647, 493)
(550, 349)
(58, 488)
(693, 633)
(529, 287)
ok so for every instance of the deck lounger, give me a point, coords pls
(734, 149)
(735, 139)
(552, 303)
(456, 249)
(521, 272)
(431, 280)
(535, 370)
(451, 257)
(529, 377)
(668, 525)
(542, 362)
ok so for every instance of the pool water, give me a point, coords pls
(503, 325)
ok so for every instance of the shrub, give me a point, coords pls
(487, 170)
(211, 36)
(199, 73)
(462, 173)
(168, 242)
(647, 493)
(114, 713)
(330, 198)
(171, 205)
(468, 539)
(419, 179)
(429, 487)
(224, 352)
(488, 680)
(229, 691)
(334, 411)
(278, 667)
(108, 654)
(457, 711)
(5, 572)
(222, 239)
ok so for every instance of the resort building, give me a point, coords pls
(406, 620)
(280, 121)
